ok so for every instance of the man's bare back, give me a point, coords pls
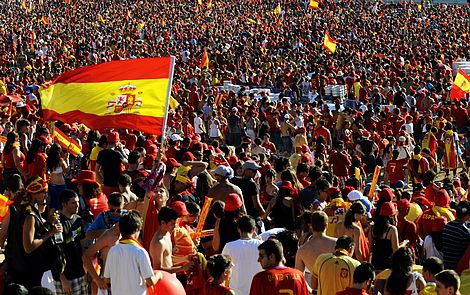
(308, 252)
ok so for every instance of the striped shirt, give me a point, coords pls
(455, 240)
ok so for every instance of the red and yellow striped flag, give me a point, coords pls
(313, 4)
(23, 5)
(68, 2)
(461, 85)
(204, 60)
(329, 43)
(67, 143)
(130, 94)
(44, 20)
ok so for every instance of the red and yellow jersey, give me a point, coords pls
(279, 280)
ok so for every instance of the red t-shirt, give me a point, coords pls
(395, 170)
(340, 162)
(151, 223)
(425, 222)
(38, 167)
(277, 279)
(407, 231)
(98, 205)
(212, 288)
(270, 146)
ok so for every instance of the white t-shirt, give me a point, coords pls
(128, 266)
(244, 254)
(430, 249)
(197, 124)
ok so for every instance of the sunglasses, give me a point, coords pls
(116, 210)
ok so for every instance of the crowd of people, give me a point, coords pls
(307, 194)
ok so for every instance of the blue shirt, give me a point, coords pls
(105, 220)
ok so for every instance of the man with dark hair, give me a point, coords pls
(319, 243)
(363, 280)
(276, 277)
(161, 247)
(72, 280)
(334, 271)
(431, 267)
(128, 266)
(108, 163)
(244, 253)
(309, 194)
(456, 236)
(447, 283)
(125, 182)
(418, 165)
(107, 219)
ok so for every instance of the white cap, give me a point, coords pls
(355, 195)
(401, 138)
(176, 137)
(234, 109)
(224, 171)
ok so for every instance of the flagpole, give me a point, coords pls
(163, 138)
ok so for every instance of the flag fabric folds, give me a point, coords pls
(461, 85)
(44, 20)
(204, 60)
(67, 143)
(329, 43)
(130, 94)
(313, 4)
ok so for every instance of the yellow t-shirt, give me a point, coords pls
(94, 153)
(334, 273)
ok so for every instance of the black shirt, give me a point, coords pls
(249, 188)
(110, 161)
(73, 232)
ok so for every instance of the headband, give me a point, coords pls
(36, 186)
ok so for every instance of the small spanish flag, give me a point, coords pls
(67, 143)
(461, 85)
(128, 14)
(329, 43)
(277, 10)
(100, 17)
(129, 94)
(30, 8)
(313, 4)
(44, 20)
(68, 2)
(209, 4)
(23, 5)
(204, 60)
(420, 6)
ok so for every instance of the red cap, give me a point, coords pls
(388, 209)
(403, 205)
(172, 163)
(386, 194)
(113, 137)
(442, 198)
(180, 208)
(232, 202)
(438, 223)
(188, 156)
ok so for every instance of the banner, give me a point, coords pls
(132, 94)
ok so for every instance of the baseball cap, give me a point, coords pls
(403, 205)
(368, 205)
(250, 165)
(400, 184)
(176, 137)
(180, 208)
(386, 194)
(388, 209)
(232, 202)
(113, 137)
(355, 195)
(224, 171)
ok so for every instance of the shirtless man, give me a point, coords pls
(103, 244)
(319, 243)
(161, 247)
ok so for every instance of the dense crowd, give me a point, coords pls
(308, 194)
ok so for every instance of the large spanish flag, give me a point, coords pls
(130, 94)
(329, 43)
(461, 85)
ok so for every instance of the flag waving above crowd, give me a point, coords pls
(121, 94)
